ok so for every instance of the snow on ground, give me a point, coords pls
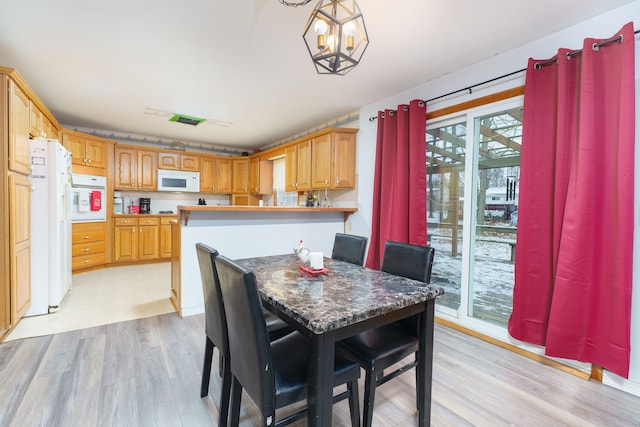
(493, 275)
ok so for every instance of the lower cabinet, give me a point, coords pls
(87, 244)
(141, 238)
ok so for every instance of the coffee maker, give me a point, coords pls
(145, 205)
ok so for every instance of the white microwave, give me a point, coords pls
(170, 180)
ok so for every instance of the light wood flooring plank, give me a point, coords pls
(147, 372)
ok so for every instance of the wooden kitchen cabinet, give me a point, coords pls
(240, 179)
(298, 167)
(179, 161)
(135, 169)
(89, 152)
(20, 242)
(334, 160)
(125, 239)
(260, 176)
(18, 130)
(165, 236)
(142, 237)
(88, 245)
(40, 125)
(215, 175)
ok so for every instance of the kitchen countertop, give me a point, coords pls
(186, 210)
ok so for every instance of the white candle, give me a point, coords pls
(315, 260)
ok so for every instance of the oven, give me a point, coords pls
(89, 198)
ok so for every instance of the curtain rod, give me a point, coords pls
(538, 65)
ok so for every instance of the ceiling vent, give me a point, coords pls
(187, 120)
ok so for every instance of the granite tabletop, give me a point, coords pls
(346, 294)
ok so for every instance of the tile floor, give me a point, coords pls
(108, 295)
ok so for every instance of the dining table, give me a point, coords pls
(340, 301)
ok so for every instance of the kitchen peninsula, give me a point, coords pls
(245, 232)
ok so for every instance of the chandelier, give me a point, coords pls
(336, 36)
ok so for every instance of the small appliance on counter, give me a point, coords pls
(145, 205)
(117, 203)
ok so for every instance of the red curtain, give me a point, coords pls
(400, 181)
(573, 270)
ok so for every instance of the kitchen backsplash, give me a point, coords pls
(167, 201)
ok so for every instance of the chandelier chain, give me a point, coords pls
(294, 4)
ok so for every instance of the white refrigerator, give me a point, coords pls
(51, 199)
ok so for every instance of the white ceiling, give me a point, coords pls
(100, 64)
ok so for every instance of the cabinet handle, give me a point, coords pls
(85, 250)
(337, 179)
(85, 261)
(85, 237)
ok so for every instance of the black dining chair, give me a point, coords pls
(273, 374)
(380, 348)
(349, 248)
(216, 328)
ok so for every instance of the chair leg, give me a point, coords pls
(225, 392)
(369, 398)
(236, 397)
(354, 403)
(206, 368)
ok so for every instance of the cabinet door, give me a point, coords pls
(189, 163)
(96, 154)
(19, 116)
(207, 174)
(168, 161)
(254, 175)
(343, 155)
(126, 169)
(223, 176)
(321, 165)
(76, 145)
(125, 243)
(19, 245)
(148, 242)
(35, 121)
(147, 170)
(240, 178)
(260, 176)
(304, 166)
(291, 168)
(165, 240)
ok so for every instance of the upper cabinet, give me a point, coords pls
(334, 161)
(260, 176)
(179, 161)
(298, 167)
(135, 169)
(90, 153)
(40, 125)
(240, 175)
(215, 174)
(18, 129)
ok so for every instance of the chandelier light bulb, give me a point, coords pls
(349, 31)
(320, 27)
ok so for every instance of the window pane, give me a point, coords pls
(498, 143)
(445, 191)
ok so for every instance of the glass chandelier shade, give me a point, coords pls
(336, 36)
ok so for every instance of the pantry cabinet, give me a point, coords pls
(18, 129)
(20, 241)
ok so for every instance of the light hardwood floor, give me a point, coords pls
(146, 372)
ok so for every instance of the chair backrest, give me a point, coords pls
(349, 248)
(248, 337)
(407, 260)
(215, 322)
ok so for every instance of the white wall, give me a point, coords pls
(602, 26)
